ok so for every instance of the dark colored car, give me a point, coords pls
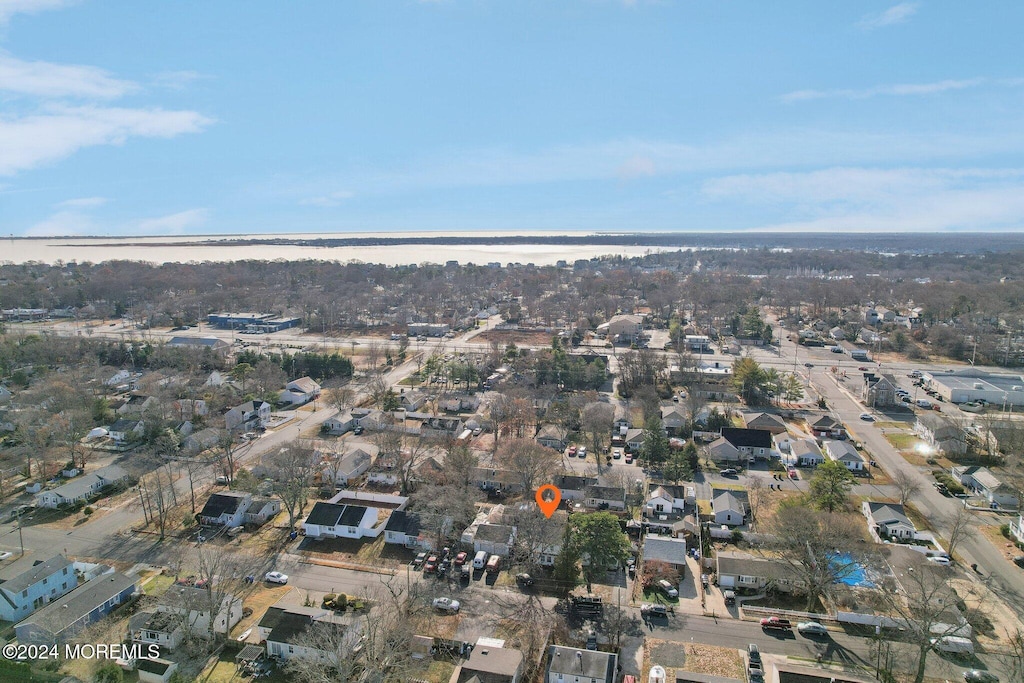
(979, 676)
(776, 623)
(1019, 560)
(524, 579)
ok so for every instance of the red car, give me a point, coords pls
(629, 458)
(460, 559)
(572, 451)
(863, 368)
(431, 566)
(777, 623)
(793, 474)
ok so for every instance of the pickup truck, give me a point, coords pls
(775, 623)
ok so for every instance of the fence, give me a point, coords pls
(793, 615)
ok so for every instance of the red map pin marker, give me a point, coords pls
(548, 498)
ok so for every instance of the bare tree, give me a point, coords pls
(156, 493)
(227, 453)
(756, 497)
(292, 469)
(597, 421)
(959, 524)
(535, 464)
(906, 484)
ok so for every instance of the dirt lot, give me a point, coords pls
(513, 336)
(698, 658)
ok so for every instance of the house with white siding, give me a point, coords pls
(331, 520)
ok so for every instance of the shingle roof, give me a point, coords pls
(66, 610)
(325, 514)
(493, 533)
(401, 521)
(750, 438)
(743, 564)
(221, 503)
(589, 663)
(616, 493)
(664, 549)
(304, 384)
(888, 512)
(26, 572)
(726, 499)
(352, 515)
(491, 665)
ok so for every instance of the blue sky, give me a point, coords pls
(612, 115)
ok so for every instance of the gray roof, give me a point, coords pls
(26, 572)
(574, 661)
(224, 502)
(493, 533)
(843, 451)
(87, 482)
(744, 564)
(725, 499)
(888, 512)
(616, 493)
(804, 448)
(192, 598)
(66, 610)
(664, 549)
(499, 662)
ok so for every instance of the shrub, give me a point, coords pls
(1005, 530)
(737, 535)
(109, 673)
(88, 510)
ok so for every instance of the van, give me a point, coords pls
(668, 589)
(924, 403)
(493, 564)
(235, 530)
(954, 645)
(480, 560)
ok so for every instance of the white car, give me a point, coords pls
(275, 577)
(867, 417)
(5, 554)
(446, 605)
(940, 560)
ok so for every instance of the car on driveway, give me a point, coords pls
(979, 676)
(867, 417)
(461, 558)
(524, 580)
(431, 565)
(449, 605)
(571, 452)
(275, 577)
(811, 628)
(753, 653)
(617, 453)
(582, 451)
(668, 589)
(792, 473)
(728, 472)
(629, 458)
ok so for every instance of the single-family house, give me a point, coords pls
(671, 551)
(227, 508)
(126, 429)
(411, 401)
(490, 664)
(494, 539)
(553, 436)
(403, 528)
(827, 427)
(282, 629)
(843, 452)
(738, 570)
(262, 509)
(190, 408)
(983, 483)
(673, 418)
(83, 487)
(489, 479)
(330, 520)
(805, 453)
(729, 507)
(300, 391)
(940, 433)
(459, 403)
(136, 404)
(441, 427)
(605, 497)
(573, 665)
(66, 616)
(634, 439)
(341, 423)
(878, 391)
(723, 452)
(184, 610)
(837, 333)
(756, 444)
(573, 486)
(204, 439)
(247, 416)
(765, 421)
(155, 670)
(1017, 528)
(888, 520)
(663, 499)
(28, 583)
(354, 463)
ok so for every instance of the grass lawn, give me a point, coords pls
(224, 670)
(158, 584)
(656, 597)
(901, 441)
(715, 661)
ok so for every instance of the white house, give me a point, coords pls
(634, 439)
(354, 463)
(227, 508)
(29, 582)
(753, 572)
(664, 499)
(403, 528)
(843, 452)
(494, 539)
(82, 487)
(330, 520)
(126, 429)
(188, 608)
(981, 482)
(155, 670)
(729, 507)
(247, 416)
(281, 627)
(888, 520)
(262, 509)
(341, 423)
(1017, 528)
(300, 391)
(721, 451)
(805, 453)
(573, 665)
(573, 486)
(941, 434)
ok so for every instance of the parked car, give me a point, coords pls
(629, 458)
(793, 473)
(358, 430)
(811, 628)
(776, 623)
(808, 365)
(667, 588)
(524, 580)
(431, 566)
(460, 559)
(753, 653)
(867, 417)
(924, 403)
(275, 577)
(940, 560)
(729, 597)
(649, 610)
(1019, 560)
(617, 453)
(449, 605)
(420, 559)
(582, 451)
(571, 452)
(728, 472)
(979, 676)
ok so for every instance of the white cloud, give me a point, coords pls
(329, 199)
(176, 80)
(174, 223)
(637, 167)
(898, 89)
(867, 199)
(897, 14)
(63, 223)
(83, 203)
(49, 80)
(30, 141)
(8, 8)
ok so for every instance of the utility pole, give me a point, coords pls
(21, 539)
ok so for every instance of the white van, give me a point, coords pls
(953, 645)
(480, 560)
